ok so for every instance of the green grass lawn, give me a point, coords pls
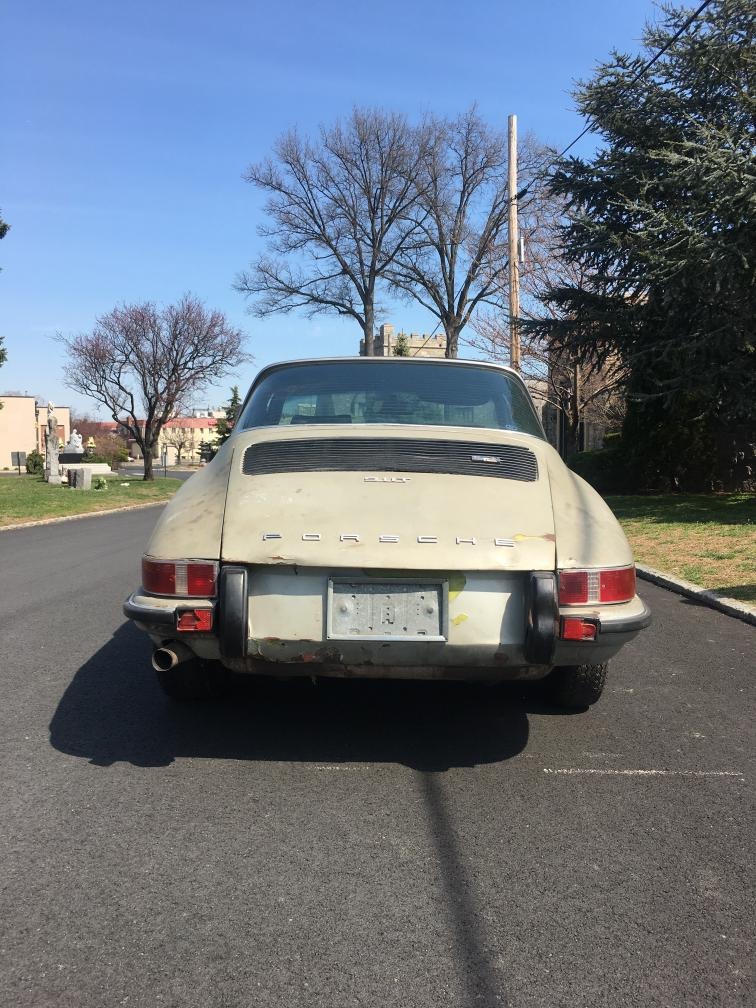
(709, 539)
(29, 498)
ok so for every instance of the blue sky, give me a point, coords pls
(126, 128)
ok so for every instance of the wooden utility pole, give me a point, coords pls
(514, 249)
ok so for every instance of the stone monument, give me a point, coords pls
(74, 465)
(74, 450)
(52, 466)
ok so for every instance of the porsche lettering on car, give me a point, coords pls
(388, 517)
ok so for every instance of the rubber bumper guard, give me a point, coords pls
(542, 615)
(232, 612)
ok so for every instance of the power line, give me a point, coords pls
(646, 66)
(422, 346)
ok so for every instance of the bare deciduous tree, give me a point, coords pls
(340, 208)
(143, 363)
(179, 438)
(457, 261)
(581, 393)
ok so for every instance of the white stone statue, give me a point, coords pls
(75, 443)
(52, 470)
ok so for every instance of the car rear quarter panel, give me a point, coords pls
(191, 526)
(587, 532)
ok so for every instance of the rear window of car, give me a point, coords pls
(390, 392)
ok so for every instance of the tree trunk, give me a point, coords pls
(452, 340)
(148, 452)
(575, 413)
(571, 438)
(368, 327)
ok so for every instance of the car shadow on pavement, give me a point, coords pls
(113, 711)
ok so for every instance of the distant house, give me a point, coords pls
(23, 422)
(183, 437)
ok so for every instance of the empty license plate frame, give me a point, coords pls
(374, 630)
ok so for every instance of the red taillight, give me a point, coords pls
(185, 578)
(573, 587)
(200, 579)
(158, 578)
(590, 587)
(617, 585)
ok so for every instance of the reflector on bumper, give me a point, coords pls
(196, 620)
(577, 629)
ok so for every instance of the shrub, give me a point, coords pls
(605, 469)
(677, 448)
(35, 463)
(113, 451)
(99, 483)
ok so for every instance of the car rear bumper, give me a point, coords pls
(502, 625)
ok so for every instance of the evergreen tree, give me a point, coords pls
(661, 218)
(401, 346)
(225, 423)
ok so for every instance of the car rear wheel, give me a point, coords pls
(577, 685)
(194, 680)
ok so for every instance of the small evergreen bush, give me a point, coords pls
(35, 463)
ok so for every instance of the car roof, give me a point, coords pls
(446, 361)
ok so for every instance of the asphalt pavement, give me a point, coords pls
(359, 843)
(172, 472)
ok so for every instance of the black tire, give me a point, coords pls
(577, 686)
(194, 680)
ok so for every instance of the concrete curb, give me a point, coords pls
(87, 514)
(740, 610)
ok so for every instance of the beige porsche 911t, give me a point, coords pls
(380, 517)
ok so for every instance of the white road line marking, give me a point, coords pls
(644, 773)
(338, 766)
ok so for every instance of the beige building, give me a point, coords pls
(183, 436)
(23, 424)
(417, 345)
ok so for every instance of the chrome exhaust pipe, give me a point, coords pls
(170, 655)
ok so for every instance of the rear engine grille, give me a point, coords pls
(465, 458)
